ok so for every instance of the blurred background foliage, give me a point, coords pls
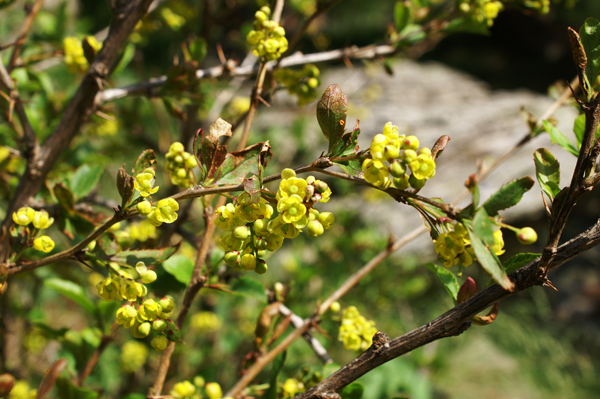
(543, 344)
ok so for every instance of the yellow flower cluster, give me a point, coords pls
(356, 332)
(40, 220)
(250, 231)
(133, 356)
(482, 10)
(21, 390)
(180, 165)
(291, 387)
(74, 57)
(454, 245)
(187, 390)
(403, 154)
(302, 83)
(140, 315)
(267, 38)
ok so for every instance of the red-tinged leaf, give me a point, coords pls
(331, 115)
(467, 290)
(237, 165)
(252, 187)
(50, 378)
(64, 196)
(148, 256)
(487, 319)
(124, 186)
(107, 243)
(347, 145)
(439, 146)
(147, 159)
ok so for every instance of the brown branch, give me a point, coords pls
(321, 9)
(315, 345)
(23, 33)
(126, 16)
(451, 323)
(93, 360)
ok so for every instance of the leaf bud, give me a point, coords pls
(467, 290)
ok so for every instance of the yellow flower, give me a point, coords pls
(183, 389)
(126, 316)
(131, 290)
(498, 243)
(376, 173)
(213, 390)
(109, 289)
(24, 216)
(291, 209)
(423, 167)
(41, 220)
(149, 311)
(144, 182)
(44, 244)
(292, 186)
(165, 211)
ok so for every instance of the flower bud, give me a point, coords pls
(44, 244)
(261, 267)
(309, 191)
(424, 151)
(213, 390)
(176, 148)
(167, 304)
(41, 220)
(241, 232)
(7, 382)
(199, 381)
(410, 143)
(527, 236)
(397, 169)
(144, 207)
(159, 343)
(248, 262)
(401, 183)
(144, 329)
(260, 16)
(149, 277)
(408, 156)
(159, 325)
(327, 219)
(232, 258)
(335, 307)
(288, 174)
(467, 290)
(314, 229)
(416, 183)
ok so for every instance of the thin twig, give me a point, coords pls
(23, 33)
(315, 345)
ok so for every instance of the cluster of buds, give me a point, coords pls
(187, 390)
(165, 211)
(483, 11)
(140, 315)
(40, 221)
(267, 38)
(356, 332)
(74, 54)
(403, 155)
(180, 165)
(250, 231)
(302, 83)
(140, 232)
(133, 356)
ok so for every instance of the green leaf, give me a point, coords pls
(276, 368)
(347, 145)
(48, 331)
(331, 115)
(237, 165)
(72, 291)
(353, 391)
(85, 179)
(446, 277)
(148, 256)
(181, 267)
(147, 159)
(66, 390)
(125, 59)
(547, 171)
(467, 24)
(198, 49)
(402, 16)
(579, 129)
(490, 262)
(590, 39)
(509, 195)
(248, 287)
(519, 260)
(353, 167)
(558, 138)
(252, 187)
(482, 226)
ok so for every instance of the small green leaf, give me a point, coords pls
(347, 145)
(331, 115)
(85, 179)
(248, 287)
(558, 138)
(73, 291)
(547, 171)
(354, 390)
(447, 278)
(181, 267)
(590, 39)
(125, 59)
(490, 262)
(48, 331)
(402, 16)
(467, 24)
(198, 49)
(148, 256)
(519, 260)
(147, 159)
(509, 195)
(482, 226)
(238, 165)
